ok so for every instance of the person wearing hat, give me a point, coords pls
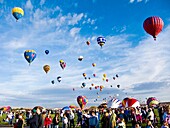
(40, 118)
(34, 120)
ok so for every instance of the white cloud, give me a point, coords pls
(75, 19)
(74, 31)
(123, 29)
(42, 2)
(89, 21)
(131, 1)
(13, 45)
(29, 5)
(146, 63)
(119, 29)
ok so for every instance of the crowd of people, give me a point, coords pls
(152, 117)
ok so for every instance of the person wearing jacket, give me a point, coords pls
(93, 120)
(34, 120)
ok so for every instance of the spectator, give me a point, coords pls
(20, 122)
(48, 121)
(56, 121)
(93, 120)
(34, 120)
(64, 121)
(165, 125)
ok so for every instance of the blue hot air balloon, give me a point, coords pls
(101, 41)
(47, 52)
(30, 55)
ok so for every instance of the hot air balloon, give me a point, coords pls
(101, 87)
(62, 64)
(52, 82)
(114, 103)
(104, 75)
(94, 75)
(96, 87)
(94, 64)
(114, 78)
(111, 86)
(47, 52)
(46, 68)
(84, 74)
(107, 80)
(59, 78)
(66, 108)
(30, 55)
(80, 58)
(82, 101)
(88, 42)
(90, 88)
(17, 12)
(73, 89)
(130, 102)
(92, 84)
(153, 25)
(101, 41)
(118, 86)
(152, 102)
(117, 75)
(84, 84)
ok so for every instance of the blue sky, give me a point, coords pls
(63, 27)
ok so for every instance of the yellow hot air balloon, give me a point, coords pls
(94, 64)
(104, 75)
(46, 68)
(17, 12)
(61, 61)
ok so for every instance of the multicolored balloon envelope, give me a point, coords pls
(82, 101)
(73, 107)
(6, 109)
(152, 102)
(153, 25)
(62, 64)
(30, 55)
(101, 41)
(130, 102)
(114, 103)
(17, 12)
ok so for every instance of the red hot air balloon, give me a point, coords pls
(153, 25)
(130, 102)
